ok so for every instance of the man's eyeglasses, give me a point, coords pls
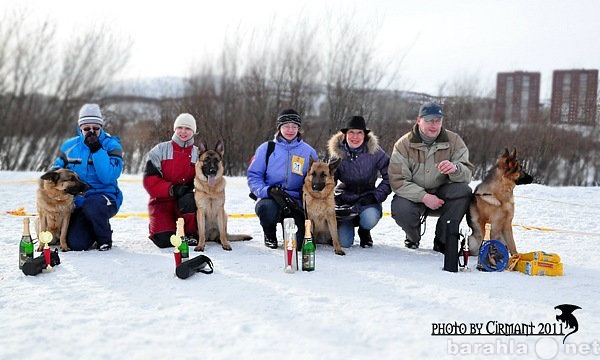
(95, 128)
(290, 127)
(433, 120)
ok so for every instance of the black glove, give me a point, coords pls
(178, 190)
(186, 203)
(285, 202)
(91, 140)
(368, 199)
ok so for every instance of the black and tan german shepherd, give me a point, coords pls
(209, 193)
(54, 201)
(493, 202)
(319, 203)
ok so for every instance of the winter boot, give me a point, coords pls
(365, 238)
(411, 244)
(270, 238)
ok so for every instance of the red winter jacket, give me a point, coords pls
(170, 162)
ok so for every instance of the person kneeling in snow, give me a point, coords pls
(169, 180)
(97, 157)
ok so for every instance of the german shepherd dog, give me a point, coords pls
(209, 193)
(319, 204)
(54, 200)
(493, 202)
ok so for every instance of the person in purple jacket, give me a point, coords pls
(358, 197)
(275, 177)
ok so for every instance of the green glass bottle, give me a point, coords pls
(25, 245)
(184, 249)
(308, 249)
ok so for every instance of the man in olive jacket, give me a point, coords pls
(429, 174)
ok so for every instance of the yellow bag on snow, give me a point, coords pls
(539, 263)
(540, 256)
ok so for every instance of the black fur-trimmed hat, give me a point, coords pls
(288, 115)
(355, 122)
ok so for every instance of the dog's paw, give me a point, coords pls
(340, 252)
(226, 247)
(199, 248)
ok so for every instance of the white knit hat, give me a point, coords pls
(186, 120)
(90, 114)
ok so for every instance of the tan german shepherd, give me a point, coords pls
(319, 204)
(209, 193)
(493, 202)
(54, 201)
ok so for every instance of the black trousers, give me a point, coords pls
(408, 214)
(270, 214)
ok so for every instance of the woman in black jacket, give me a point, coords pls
(358, 197)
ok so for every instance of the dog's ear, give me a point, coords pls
(220, 147)
(51, 175)
(310, 162)
(333, 165)
(202, 148)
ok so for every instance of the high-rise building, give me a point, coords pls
(574, 97)
(517, 97)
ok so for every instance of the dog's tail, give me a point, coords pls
(238, 237)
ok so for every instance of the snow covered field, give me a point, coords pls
(379, 303)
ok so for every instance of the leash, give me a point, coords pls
(304, 205)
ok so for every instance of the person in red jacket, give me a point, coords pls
(169, 180)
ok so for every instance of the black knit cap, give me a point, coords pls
(355, 122)
(288, 115)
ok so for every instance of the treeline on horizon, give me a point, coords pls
(325, 71)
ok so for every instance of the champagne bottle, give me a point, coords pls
(289, 240)
(26, 244)
(308, 249)
(184, 248)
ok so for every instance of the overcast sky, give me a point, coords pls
(442, 41)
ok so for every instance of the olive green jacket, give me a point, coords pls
(412, 170)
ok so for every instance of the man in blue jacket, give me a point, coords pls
(97, 157)
(276, 180)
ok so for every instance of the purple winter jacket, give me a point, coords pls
(359, 170)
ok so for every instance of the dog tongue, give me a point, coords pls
(211, 180)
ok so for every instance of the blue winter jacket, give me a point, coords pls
(288, 165)
(359, 171)
(100, 170)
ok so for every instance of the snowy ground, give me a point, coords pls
(379, 303)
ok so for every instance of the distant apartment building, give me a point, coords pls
(517, 97)
(574, 97)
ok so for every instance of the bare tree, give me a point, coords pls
(27, 56)
(353, 73)
(43, 86)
